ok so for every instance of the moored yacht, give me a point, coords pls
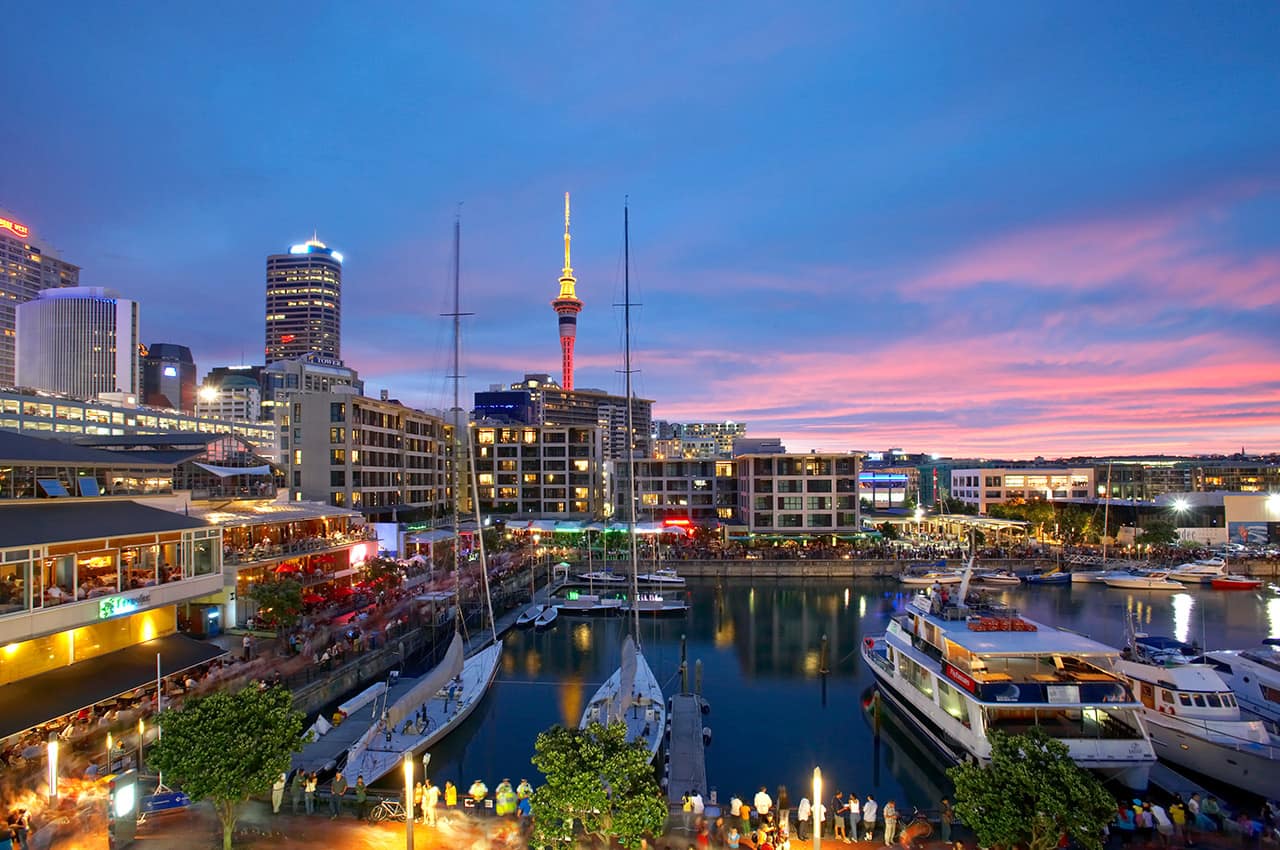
(1199, 572)
(930, 577)
(603, 577)
(663, 576)
(959, 675)
(1148, 581)
(1254, 677)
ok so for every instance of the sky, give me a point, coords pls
(981, 229)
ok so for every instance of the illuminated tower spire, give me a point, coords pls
(567, 306)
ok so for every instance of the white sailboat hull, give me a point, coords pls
(646, 718)
(381, 756)
(547, 618)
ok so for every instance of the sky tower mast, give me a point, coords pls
(567, 306)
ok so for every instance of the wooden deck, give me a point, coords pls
(686, 750)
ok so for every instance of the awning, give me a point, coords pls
(229, 471)
(429, 536)
(45, 697)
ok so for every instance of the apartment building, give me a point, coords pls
(537, 471)
(985, 486)
(799, 493)
(703, 491)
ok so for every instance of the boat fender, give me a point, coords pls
(706, 707)
(706, 736)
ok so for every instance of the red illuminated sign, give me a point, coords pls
(677, 522)
(19, 230)
(285, 339)
(960, 678)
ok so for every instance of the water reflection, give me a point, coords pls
(1182, 605)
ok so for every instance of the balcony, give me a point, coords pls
(304, 546)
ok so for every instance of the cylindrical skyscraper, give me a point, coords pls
(567, 306)
(304, 302)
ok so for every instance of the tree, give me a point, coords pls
(279, 601)
(598, 780)
(226, 747)
(1031, 793)
(382, 573)
(1158, 533)
(889, 531)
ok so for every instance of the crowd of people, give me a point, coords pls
(1148, 824)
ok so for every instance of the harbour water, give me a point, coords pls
(774, 715)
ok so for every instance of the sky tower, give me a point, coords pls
(567, 306)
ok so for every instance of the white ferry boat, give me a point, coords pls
(959, 675)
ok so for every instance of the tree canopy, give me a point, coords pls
(598, 781)
(1158, 533)
(279, 601)
(1031, 793)
(228, 746)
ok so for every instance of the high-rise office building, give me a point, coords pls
(304, 303)
(169, 377)
(567, 306)
(27, 266)
(80, 341)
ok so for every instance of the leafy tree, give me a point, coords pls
(1158, 533)
(279, 601)
(228, 746)
(597, 780)
(382, 573)
(1076, 524)
(1031, 793)
(889, 531)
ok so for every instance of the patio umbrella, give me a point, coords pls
(287, 567)
(312, 599)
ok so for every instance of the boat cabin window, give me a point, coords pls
(1166, 696)
(1184, 699)
(1199, 700)
(1270, 694)
(1214, 702)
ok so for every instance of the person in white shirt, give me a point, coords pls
(869, 809)
(1164, 826)
(763, 803)
(735, 806)
(855, 815)
(695, 800)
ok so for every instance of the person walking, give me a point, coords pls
(337, 790)
(310, 792)
(21, 827)
(869, 810)
(450, 795)
(890, 822)
(416, 812)
(764, 804)
(1164, 825)
(295, 789)
(247, 645)
(362, 797)
(803, 814)
(1178, 814)
(841, 811)
(855, 817)
(946, 818)
(277, 793)
(430, 798)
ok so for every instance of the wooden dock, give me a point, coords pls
(687, 754)
(322, 755)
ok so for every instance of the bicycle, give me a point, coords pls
(387, 810)
(919, 829)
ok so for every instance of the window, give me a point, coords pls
(337, 457)
(337, 436)
(338, 478)
(337, 412)
(297, 478)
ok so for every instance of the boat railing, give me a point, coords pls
(1235, 742)
(1064, 692)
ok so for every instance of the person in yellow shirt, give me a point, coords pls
(450, 795)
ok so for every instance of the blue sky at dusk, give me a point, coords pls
(1002, 229)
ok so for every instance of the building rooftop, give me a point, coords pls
(20, 448)
(56, 521)
(253, 512)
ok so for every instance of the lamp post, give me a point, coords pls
(817, 808)
(110, 744)
(53, 766)
(408, 800)
(142, 728)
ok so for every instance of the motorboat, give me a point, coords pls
(632, 696)
(930, 578)
(999, 578)
(1254, 677)
(958, 673)
(589, 603)
(1148, 581)
(1159, 650)
(1054, 576)
(1196, 723)
(530, 615)
(1230, 582)
(1198, 572)
(653, 604)
(603, 577)
(1098, 576)
(664, 576)
(547, 618)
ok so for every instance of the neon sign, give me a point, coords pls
(114, 606)
(19, 230)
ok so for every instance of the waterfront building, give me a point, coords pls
(697, 439)
(93, 576)
(235, 397)
(304, 302)
(509, 407)
(57, 415)
(540, 471)
(703, 491)
(80, 340)
(168, 377)
(799, 493)
(308, 373)
(758, 446)
(552, 405)
(376, 456)
(888, 487)
(985, 486)
(567, 305)
(27, 267)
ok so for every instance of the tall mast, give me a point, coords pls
(454, 482)
(630, 442)
(1106, 516)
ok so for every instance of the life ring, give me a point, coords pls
(869, 642)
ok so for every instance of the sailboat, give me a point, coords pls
(441, 700)
(632, 694)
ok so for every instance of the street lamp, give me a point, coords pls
(53, 766)
(408, 799)
(919, 514)
(817, 808)
(142, 728)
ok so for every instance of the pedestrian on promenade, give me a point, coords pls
(869, 811)
(295, 789)
(415, 811)
(247, 644)
(890, 822)
(450, 795)
(784, 806)
(277, 793)
(764, 804)
(310, 792)
(855, 816)
(803, 813)
(21, 826)
(362, 797)
(946, 818)
(430, 798)
(841, 811)
(337, 790)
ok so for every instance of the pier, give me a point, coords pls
(685, 749)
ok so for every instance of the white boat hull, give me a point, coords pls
(930, 580)
(1143, 583)
(659, 578)
(530, 616)
(1243, 764)
(443, 716)
(547, 618)
(646, 719)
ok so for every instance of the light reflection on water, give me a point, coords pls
(771, 717)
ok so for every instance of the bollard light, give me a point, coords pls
(817, 803)
(53, 767)
(408, 799)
